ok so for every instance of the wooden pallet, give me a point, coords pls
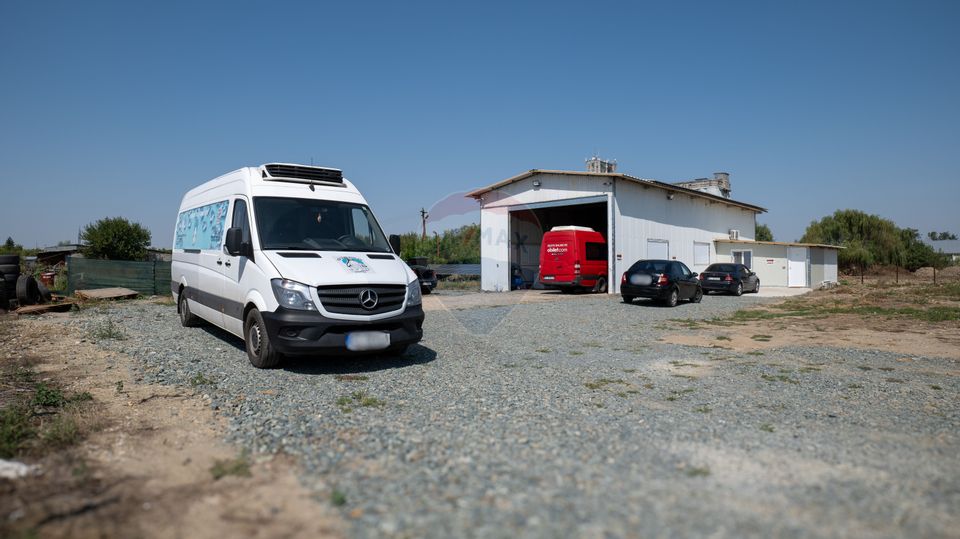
(107, 293)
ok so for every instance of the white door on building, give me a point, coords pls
(797, 266)
(658, 250)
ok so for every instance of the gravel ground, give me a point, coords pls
(569, 418)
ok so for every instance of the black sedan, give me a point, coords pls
(732, 278)
(428, 277)
(665, 280)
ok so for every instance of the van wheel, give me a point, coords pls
(671, 300)
(601, 286)
(260, 351)
(187, 319)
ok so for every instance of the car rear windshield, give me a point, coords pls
(722, 268)
(650, 266)
(317, 225)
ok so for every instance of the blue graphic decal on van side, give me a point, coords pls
(201, 228)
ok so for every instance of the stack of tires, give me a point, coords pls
(9, 273)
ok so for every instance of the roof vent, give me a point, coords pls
(301, 174)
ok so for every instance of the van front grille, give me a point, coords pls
(298, 172)
(345, 299)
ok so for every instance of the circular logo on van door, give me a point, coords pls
(368, 299)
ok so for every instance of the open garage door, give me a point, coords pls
(528, 223)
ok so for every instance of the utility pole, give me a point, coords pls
(423, 221)
(437, 236)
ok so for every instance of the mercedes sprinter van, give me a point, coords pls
(291, 259)
(573, 258)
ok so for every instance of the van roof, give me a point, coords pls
(572, 227)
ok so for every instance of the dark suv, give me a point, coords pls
(664, 280)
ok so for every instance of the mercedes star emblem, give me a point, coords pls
(368, 299)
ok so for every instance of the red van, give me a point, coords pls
(573, 258)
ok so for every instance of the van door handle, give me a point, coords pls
(219, 262)
(228, 263)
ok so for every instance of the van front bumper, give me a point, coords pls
(295, 332)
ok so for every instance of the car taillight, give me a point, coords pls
(663, 279)
(728, 278)
(623, 278)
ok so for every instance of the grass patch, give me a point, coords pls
(686, 376)
(894, 380)
(723, 338)
(864, 368)
(703, 409)
(351, 378)
(239, 467)
(886, 369)
(576, 353)
(108, 330)
(44, 395)
(543, 350)
(778, 378)
(600, 383)
(809, 369)
(854, 386)
(200, 379)
(698, 471)
(766, 427)
(165, 300)
(677, 363)
(15, 429)
(63, 431)
(338, 498)
(628, 371)
(755, 353)
(359, 399)
(935, 387)
(762, 338)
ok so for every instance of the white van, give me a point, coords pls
(291, 259)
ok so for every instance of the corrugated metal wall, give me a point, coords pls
(147, 278)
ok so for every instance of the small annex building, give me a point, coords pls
(696, 222)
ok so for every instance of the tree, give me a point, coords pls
(457, 246)
(941, 236)
(763, 233)
(115, 238)
(881, 238)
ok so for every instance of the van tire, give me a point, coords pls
(260, 351)
(601, 286)
(187, 319)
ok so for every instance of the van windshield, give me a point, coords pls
(303, 224)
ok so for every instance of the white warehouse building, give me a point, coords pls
(640, 218)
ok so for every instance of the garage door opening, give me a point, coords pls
(528, 225)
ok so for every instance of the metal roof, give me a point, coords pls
(786, 243)
(651, 183)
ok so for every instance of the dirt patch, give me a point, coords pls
(910, 319)
(144, 466)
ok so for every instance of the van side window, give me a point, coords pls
(240, 219)
(596, 251)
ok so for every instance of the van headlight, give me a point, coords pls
(413, 293)
(292, 295)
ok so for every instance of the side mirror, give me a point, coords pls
(395, 243)
(694, 274)
(234, 242)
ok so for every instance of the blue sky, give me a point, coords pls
(116, 109)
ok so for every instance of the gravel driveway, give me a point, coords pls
(569, 418)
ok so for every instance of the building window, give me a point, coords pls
(701, 254)
(743, 257)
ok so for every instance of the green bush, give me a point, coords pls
(115, 238)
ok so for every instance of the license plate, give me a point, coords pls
(548, 277)
(713, 278)
(363, 341)
(641, 280)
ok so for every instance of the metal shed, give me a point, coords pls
(641, 218)
(776, 263)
